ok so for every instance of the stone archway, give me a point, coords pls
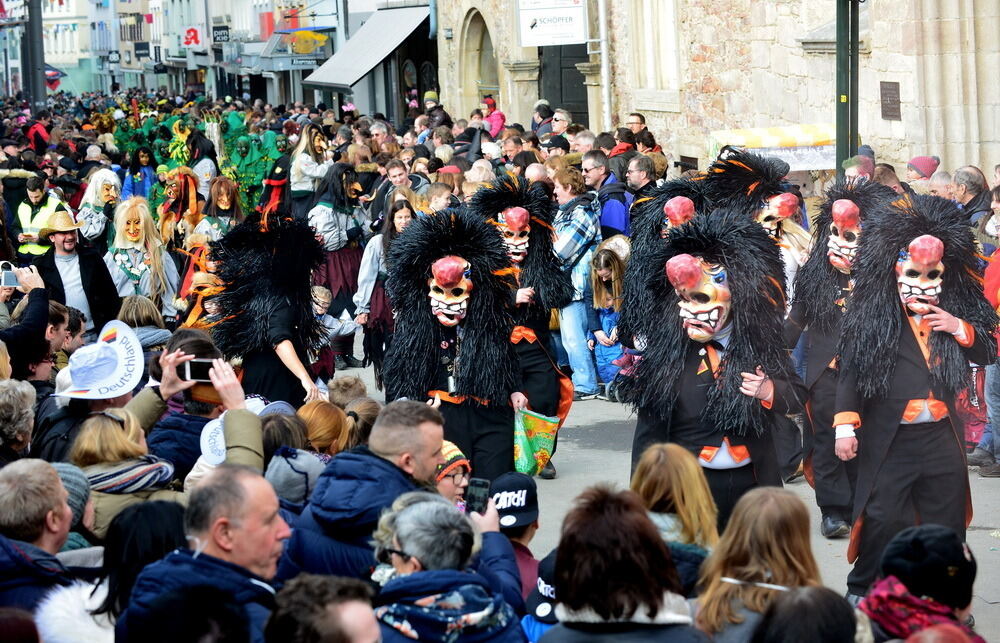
(479, 73)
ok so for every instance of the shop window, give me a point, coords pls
(655, 55)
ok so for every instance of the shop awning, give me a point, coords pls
(803, 147)
(385, 30)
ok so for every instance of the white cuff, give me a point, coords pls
(845, 431)
(959, 335)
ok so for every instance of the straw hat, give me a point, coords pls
(60, 221)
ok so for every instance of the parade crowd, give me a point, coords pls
(185, 454)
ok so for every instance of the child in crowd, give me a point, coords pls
(606, 278)
(323, 362)
(345, 389)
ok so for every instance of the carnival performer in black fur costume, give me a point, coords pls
(917, 318)
(265, 264)
(754, 185)
(669, 205)
(713, 377)
(523, 213)
(453, 289)
(822, 291)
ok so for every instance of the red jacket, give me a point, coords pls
(621, 148)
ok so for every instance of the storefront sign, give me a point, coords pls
(141, 50)
(192, 38)
(220, 34)
(114, 57)
(545, 23)
(310, 62)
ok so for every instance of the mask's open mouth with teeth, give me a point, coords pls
(517, 253)
(448, 315)
(708, 321)
(841, 257)
(919, 299)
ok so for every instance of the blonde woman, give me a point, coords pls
(764, 550)
(309, 165)
(326, 427)
(673, 489)
(137, 259)
(111, 449)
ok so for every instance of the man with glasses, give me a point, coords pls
(560, 121)
(639, 176)
(615, 199)
(635, 122)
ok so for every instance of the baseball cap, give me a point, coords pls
(541, 602)
(109, 367)
(213, 434)
(516, 497)
(556, 141)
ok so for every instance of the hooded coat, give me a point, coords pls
(182, 569)
(27, 574)
(445, 605)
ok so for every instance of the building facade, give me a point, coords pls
(698, 67)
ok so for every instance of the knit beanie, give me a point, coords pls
(77, 487)
(932, 561)
(430, 96)
(925, 166)
(453, 459)
(293, 473)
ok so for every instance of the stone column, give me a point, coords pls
(592, 81)
(522, 78)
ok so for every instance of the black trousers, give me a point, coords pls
(833, 479)
(787, 445)
(485, 434)
(923, 479)
(727, 487)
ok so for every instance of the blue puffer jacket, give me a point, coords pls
(454, 606)
(333, 534)
(180, 570)
(27, 574)
(177, 438)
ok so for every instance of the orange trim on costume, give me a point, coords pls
(854, 544)
(454, 399)
(970, 334)
(914, 408)
(523, 332)
(847, 417)
(739, 453)
(713, 359)
(767, 404)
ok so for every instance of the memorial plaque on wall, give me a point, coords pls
(889, 98)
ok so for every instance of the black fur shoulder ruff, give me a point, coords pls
(541, 268)
(487, 364)
(873, 320)
(816, 283)
(756, 276)
(260, 269)
(646, 220)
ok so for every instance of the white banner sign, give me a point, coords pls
(545, 23)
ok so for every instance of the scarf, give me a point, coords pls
(900, 613)
(128, 476)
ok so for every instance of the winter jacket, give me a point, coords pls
(98, 286)
(496, 120)
(604, 356)
(578, 233)
(615, 204)
(109, 505)
(27, 573)
(444, 605)
(332, 535)
(177, 438)
(671, 624)
(687, 557)
(65, 615)
(181, 570)
(620, 157)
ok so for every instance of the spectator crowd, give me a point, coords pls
(154, 489)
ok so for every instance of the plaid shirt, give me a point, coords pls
(578, 231)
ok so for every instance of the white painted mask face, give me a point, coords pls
(705, 300)
(516, 232)
(450, 287)
(920, 273)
